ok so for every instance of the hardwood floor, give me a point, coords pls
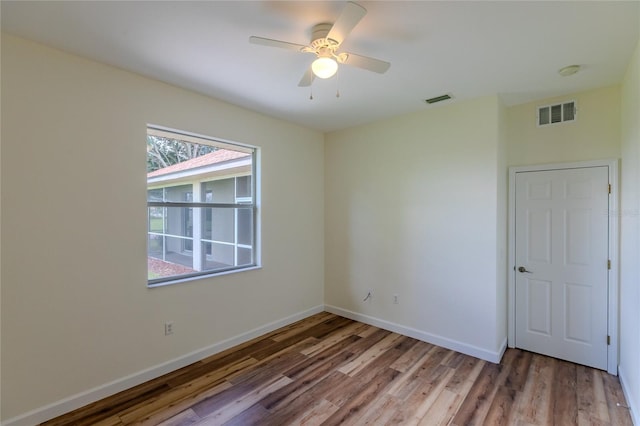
(333, 371)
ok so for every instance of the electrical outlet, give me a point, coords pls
(168, 328)
(395, 299)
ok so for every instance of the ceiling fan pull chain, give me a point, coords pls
(337, 84)
(310, 93)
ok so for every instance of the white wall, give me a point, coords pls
(76, 312)
(630, 237)
(411, 209)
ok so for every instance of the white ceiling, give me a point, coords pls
(467, 49)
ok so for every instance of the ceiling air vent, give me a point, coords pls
(438, 99)
(558, 113)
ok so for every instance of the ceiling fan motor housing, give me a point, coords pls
(319, 34)
(322, 46)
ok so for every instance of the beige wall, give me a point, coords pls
(595, 135)
(0, 244)
(501, 226)
(411, 210)
(76, 312)
(630, 237)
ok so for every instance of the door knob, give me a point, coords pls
(523, 269)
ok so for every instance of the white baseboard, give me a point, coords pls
(634, 410)
(74, 402)
(501, 351)
(444, 342)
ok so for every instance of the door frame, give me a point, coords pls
(613, 284)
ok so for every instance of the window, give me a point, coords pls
(201, 206)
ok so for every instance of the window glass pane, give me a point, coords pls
(220, 225)
(187, 228)
(217, 256)
(219, 191)
(168, 259)
(221, 257)
(178, 221)
(178, 193)
(186, 241)
(155, 246)
(243, 186)
(207, 223)
(245, 226)
(167, 155)
(155, 195)
(156, 219)
(245, 256)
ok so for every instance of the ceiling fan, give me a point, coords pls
(325, 42)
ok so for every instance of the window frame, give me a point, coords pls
(251, 202)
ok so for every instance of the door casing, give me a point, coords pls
(612, 315)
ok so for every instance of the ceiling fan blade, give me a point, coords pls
(275, 43)
(307, 78)
(348, 19)
(371, 64)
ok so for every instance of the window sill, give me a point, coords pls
(201, 277)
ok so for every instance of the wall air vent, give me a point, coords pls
(438, 99)
(556, 114)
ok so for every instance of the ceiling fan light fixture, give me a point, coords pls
(324, 67)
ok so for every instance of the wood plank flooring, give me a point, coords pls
(329, 370)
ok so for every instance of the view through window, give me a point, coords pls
(201, 206)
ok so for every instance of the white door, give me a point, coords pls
(561, 254)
